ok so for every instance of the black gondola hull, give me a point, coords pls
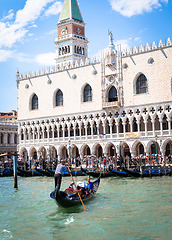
(62, 199)
(119, 173)
(28, 173)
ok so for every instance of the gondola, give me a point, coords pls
(6, 173)
(67, 174)
(146, 173)
(119, 173)
(132, 173)
(93, 173)
(64, 200)
(103, 174)
(28, 173)
(44, 172)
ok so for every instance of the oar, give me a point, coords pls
(76, 188)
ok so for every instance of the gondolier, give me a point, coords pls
(59, 172)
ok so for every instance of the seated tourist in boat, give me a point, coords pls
(89, 185)
(70, 189)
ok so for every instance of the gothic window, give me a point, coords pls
(165, 123)
(141, 84)
(15, 139)
(34, 102)
(78, 50)
(68, 49)
(2, 138)
(75, 49)
(87, 93)
(59, 98)
(112, 96)
(60, 51)
(83, 51)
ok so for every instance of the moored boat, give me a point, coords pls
(67, 174)
(94, 173)
(65, 200)
(6, 173)
(149, 171)
(102, 174)
(119, 173)
(28, 173)
(44, 172)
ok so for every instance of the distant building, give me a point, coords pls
(119, 103)
(8, 132)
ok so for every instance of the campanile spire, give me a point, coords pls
(71, 43)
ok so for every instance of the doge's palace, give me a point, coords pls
(117, 103)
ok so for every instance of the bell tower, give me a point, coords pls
(71, 43)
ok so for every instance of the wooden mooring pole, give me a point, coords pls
(15, 171)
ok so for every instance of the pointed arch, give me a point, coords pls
(141, 84)
(112, 94)
(58, 98)
(33, 103)
(87, 93)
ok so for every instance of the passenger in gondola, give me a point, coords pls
(89, 186)
(71, 186)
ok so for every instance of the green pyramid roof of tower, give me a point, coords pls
(70, 11)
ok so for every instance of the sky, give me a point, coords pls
(28, 30)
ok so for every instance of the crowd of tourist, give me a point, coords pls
(91, 162)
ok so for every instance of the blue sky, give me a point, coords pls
(28, 30)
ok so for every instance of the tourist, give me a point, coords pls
(89, 185)
(58, 173)
(71, 186)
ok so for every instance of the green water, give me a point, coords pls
(123, 208)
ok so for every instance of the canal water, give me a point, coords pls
(123, 208)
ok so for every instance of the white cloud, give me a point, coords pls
(129, 8)
(31, 11)
(124, 43)
(5, 54)
(11, 33)
(54, 9)
(51, 32)
(46, 59)
(9, 16)
(137, 39)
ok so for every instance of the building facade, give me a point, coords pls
(117, 103)
(8, 132)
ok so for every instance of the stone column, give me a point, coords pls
(117, 127)
(63, 129)
(85, 125)
(74, 130)
(161, 127)
(80, 125)
(68, 128)
(110, 125)
(34, 135)
(145, 122)
(91, 129)
(169, 125)
(131, 124)
(53, 132)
